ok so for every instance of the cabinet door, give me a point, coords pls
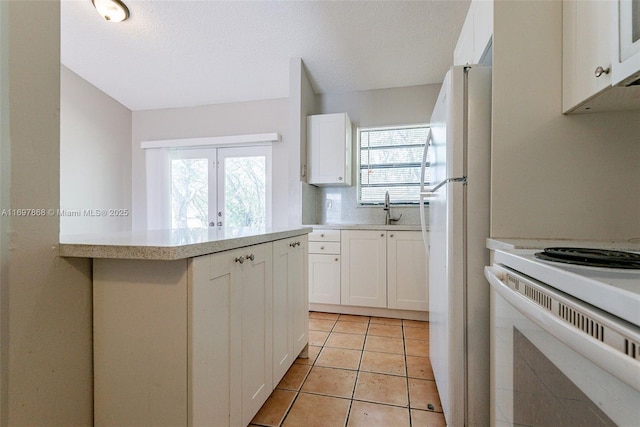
(329, 139)
(211, 297)
(482, 28)
(364, 268)
(255, 283)
(463, 52)
(290, 303)
(283, 255)
(586, 39)
(476, 33)
(299, 293)
(407, 271)
(324, 279)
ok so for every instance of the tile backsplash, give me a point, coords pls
(338, 205)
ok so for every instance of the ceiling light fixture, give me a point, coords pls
(111, 10)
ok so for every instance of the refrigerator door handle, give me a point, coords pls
(423, 224)
(432, 190)
(424, 160)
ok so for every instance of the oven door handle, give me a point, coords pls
(610, 360)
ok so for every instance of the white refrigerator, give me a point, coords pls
(456, 201)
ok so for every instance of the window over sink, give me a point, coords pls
(389, 159)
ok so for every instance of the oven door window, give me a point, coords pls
(540, 381)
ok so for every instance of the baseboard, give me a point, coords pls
(370, 311)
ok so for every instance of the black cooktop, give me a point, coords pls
(591, 257)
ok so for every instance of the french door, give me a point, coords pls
(220, 187)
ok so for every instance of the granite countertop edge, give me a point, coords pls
(172, 252)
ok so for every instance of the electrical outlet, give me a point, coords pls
(328, 204)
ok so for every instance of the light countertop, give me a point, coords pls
(395, 227)
(496, 243)
(170, 244)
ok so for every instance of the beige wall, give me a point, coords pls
(5, 175)
(95, 157)
(384, 107)
(302, 103)
(208, 121)
(554, 176)
(381, 107)
(49, 330)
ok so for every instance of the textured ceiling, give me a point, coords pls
(179, 53)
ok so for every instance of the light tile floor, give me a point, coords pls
(362, 371)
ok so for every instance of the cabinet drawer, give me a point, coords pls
(324, 248)
(324, 236)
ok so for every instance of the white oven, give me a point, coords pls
(626, 42)
(565, 345)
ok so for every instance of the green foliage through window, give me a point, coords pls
(390, 160)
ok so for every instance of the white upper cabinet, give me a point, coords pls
(586, 54)
(590, 57)
(625, 22)
(476, 33)
(329, 149)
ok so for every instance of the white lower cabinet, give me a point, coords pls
(230, 361)
(374, 268)
(256, 281)
(407, 271)
(324, 267)
(364, 268)
(290, 303)
(199, 341)
(211, 367)
(324, 279)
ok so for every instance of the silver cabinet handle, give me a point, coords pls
(294, 244)
(322, 235)
(600, 71)
(382, 235)
(240, 259)
(322, 248)
(339, 178)
(391, 235)
(251, 257)
(337, 259)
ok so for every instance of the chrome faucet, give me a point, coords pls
(387, 207)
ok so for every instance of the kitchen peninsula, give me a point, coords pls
(193, 327)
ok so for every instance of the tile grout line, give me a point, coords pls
(355, 383)
(406, 370)
(358, 371)
(303, 381)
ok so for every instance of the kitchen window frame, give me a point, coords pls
(358, 164)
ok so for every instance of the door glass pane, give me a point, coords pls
(189, 193)
(635, 21)
(245, 191)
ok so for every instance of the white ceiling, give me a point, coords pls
(180, 53)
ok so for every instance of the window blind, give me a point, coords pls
(390, 160)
